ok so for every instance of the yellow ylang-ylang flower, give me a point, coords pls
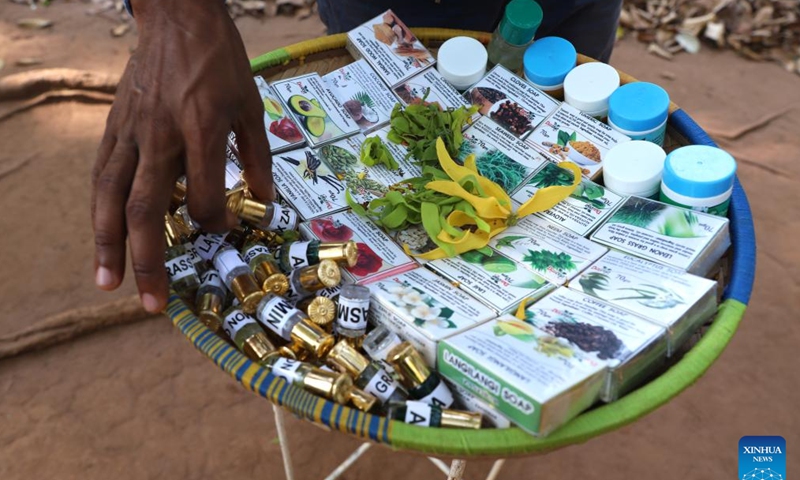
(463, 231)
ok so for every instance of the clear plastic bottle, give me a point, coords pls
(423, 415)
(289, 323)
(238, 278)
(379, 342)
(352, 311)
(367, 375)
(514, 34)
(179, 262)
(210, 299)
(248, 336)
(265, 269)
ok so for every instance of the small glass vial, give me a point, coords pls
(302, 254)
(291, 324)
(307, 280)
(700, 178)
(320, 310)
(423, 415)
(179, 263)
(238, 278)
(421, 383)
(331, 385)
(269, 216)
(368, 375)
(237, 237)
(248, 336)
(178, 195)
(515, 32)
(266, 271)
(210, 299)
(352, 311)
(379, 342)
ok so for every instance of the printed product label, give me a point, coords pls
(418, 413)
(286, 368)
(226, 261)
(282, 219)
(233, 175)
(431, 86)
(331, 292)
(282, 131)
(656, 136)
(207, 244)
(352, 313)
(720, 210)
(307, 184)
(234, 321)
(253, 252)
(211, 278)
(276, 313)
(382, 386)
(362, 93)
(192, 251)
(440, 396)
(180, 267)
(298, 254)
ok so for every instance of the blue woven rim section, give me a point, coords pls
(743, 235)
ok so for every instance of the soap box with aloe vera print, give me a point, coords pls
(689, 240)
(665, 295)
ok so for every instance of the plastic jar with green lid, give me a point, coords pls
(699, 177)
(547, 62)
(639, 110)
(587, 87)
(634, 168)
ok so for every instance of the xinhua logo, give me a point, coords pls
(762, 458)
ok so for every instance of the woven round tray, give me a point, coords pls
(325, 54)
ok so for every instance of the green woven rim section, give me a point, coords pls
(270, 59)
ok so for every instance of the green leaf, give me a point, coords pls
(563, 138)
(573, 137)
(374, 152)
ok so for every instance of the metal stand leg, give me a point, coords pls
(284, 442)
(457, 470)
(495, 471)
(350, 461)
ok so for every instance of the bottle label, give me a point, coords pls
(233, 175)
(211, 278)
(440, 396)
(282, 219)
(226, 261)
(180, 267)
(352, 313)
(234, 321)
(253, 252)
(382, 386)
(286, 368)
(207, 244)
(298, 254)
(276, 314)
(331, 292)
(418, 413)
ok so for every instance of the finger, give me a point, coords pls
(254, 151)
(149, 199)
(205, 175)
(111, 190)
(104, 151)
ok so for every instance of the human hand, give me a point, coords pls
(184, 89)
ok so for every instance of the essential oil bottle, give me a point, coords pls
(367, 375)
(352, 311)
(331, 385)
(422, 384)
(248, 335)
(307, 280)
(238, 278)
(179, 262)
(379, 342)
(320, 310)
(423, 415)
(269, 216)
(266, 271)
(304, 253)
(211, 299)
(289, 323)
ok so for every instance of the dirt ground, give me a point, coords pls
(139, 402)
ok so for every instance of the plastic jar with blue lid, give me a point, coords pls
(639, 110)
(699, 177)
(547, 62)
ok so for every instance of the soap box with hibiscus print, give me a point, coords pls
(378, 256)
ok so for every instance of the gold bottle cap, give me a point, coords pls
(329, 273)
(322, 311)
(408, 364)
(347, 359)
(178, 195)
(331, 385)
(171, 233)
(288, 351)
(362, 400)
(312, 338)
(209, 307)
(461, 419)
(276, 283)
(346, 252)
(259, 348)
(355, 342)
(234, 198)
(248, 292)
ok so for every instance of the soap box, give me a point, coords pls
(469, 401)
(390, 48)
(570, 134)
(433, 88)
(362, 94)
(633, 347)
(513, 103)
(500, 156)
(686, 239)
(424, 309)
(552, 251)
(667, 296)
(378, 255)
(364, 183)
(582, 211)
(315, 109)
(496, 281)
(282, 131)
(534, 379)
(306, 183)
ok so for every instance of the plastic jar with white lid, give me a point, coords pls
(639, 110)
(462, 62)
(588, 86)
(699, 177)
(634, 168)
(547, 62)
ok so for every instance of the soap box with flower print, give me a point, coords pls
(424, 309)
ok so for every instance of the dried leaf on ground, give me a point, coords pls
(34, 23)
(28, 61)
(120, 30)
